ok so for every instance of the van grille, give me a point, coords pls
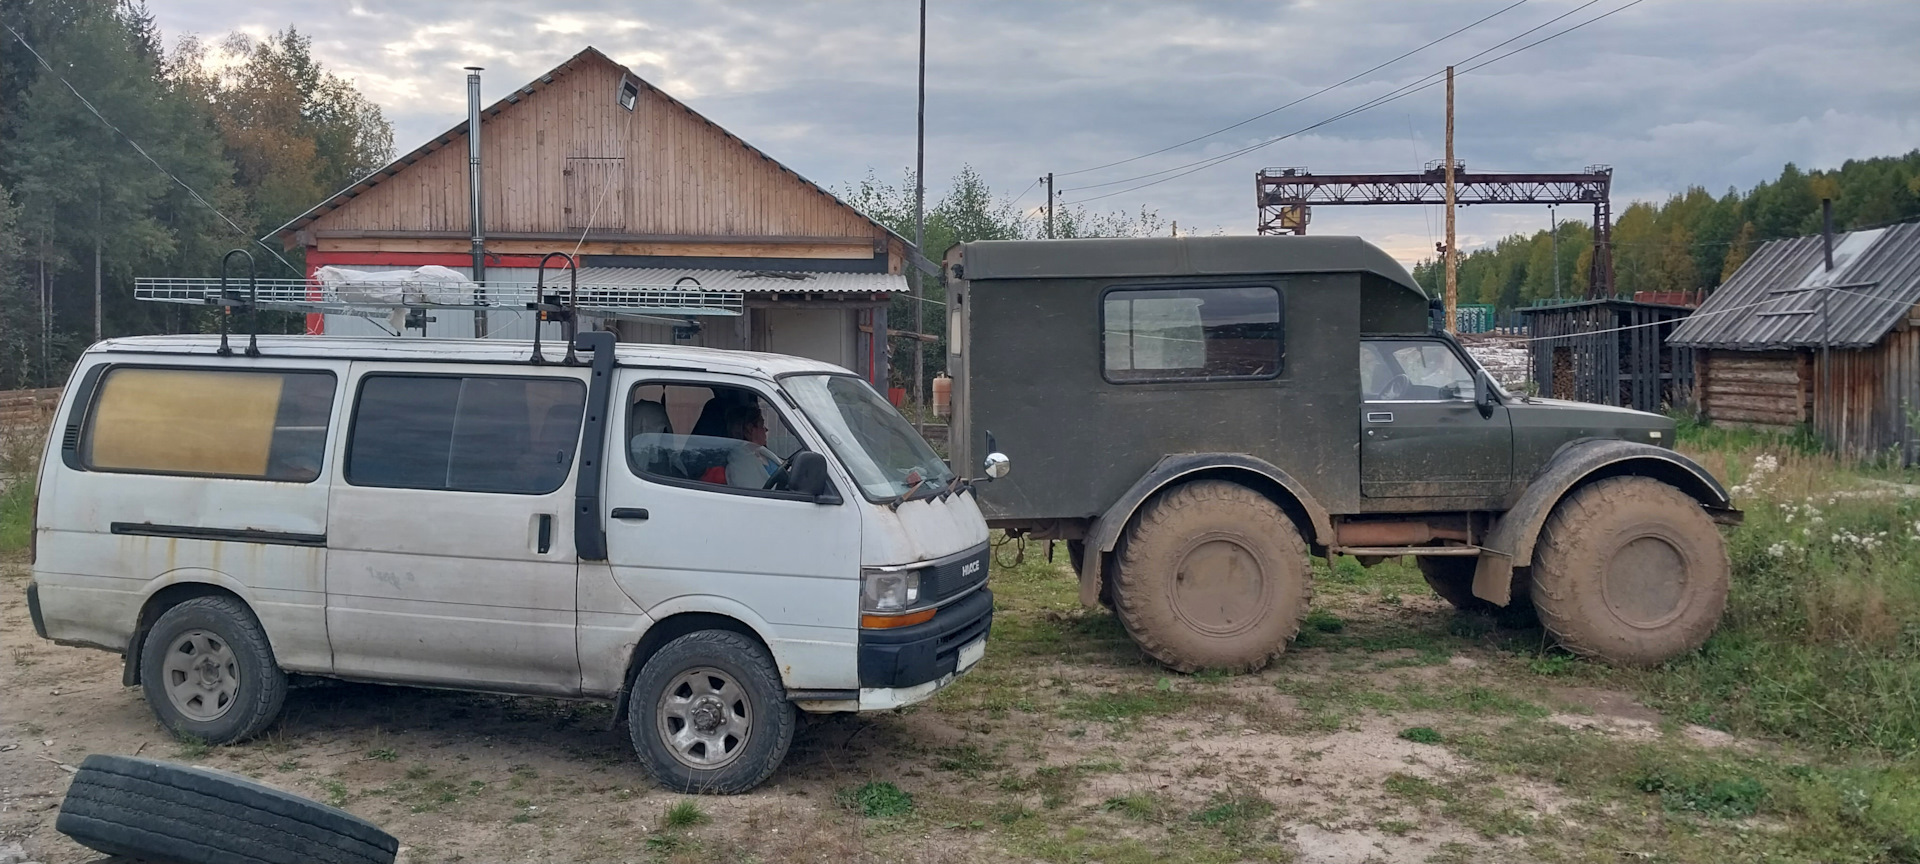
(953, 575)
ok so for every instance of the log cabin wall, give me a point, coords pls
(1864, 412)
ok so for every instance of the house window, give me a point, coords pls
(1200, 333)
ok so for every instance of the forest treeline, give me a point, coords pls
(1691, 242)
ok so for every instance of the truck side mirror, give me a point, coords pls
(808, 476)
(997, 465)
(1483, 392)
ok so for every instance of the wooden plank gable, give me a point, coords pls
(659, 170)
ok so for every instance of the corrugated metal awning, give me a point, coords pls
(743, 281)
(1774, 301)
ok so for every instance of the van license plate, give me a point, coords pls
(971, 654)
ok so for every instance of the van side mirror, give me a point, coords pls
(1483, 392)
(808, 476)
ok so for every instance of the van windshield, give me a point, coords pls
(886, 457)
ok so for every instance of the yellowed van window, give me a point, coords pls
(211, 422)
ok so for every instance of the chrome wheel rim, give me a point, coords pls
(202, 675)
(705, 718)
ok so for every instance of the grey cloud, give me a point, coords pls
(1669, 93)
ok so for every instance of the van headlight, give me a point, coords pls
(889, 590)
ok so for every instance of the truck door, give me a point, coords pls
(690, 525)
(450, 528)
(1421, 435)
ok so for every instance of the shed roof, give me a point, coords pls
(1180, 256)
(1773, 301)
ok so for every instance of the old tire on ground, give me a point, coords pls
(1452, 579)
(1212, 575)
(158, 811)
(1630, 570)
(209, 673)
(708, 714)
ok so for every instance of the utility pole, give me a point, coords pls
(1049, 179)
(1553, 220)
(1453, 256)
(920, 235)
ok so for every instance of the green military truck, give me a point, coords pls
(1198, 416)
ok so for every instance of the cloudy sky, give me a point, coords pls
(1669, 92)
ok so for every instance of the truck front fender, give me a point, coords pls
(1510, 543)
(1257, 474)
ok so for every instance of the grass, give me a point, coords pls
(683, 814)
(16, 513)
(1421, 735)
(877, 800)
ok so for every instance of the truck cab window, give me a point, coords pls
(733, 437)
(1412, 370)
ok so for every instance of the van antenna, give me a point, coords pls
(227, 303)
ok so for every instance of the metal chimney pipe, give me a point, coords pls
(1826, 228)
(473, 192)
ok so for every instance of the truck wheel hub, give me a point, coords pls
(1646, 581)
(1220, 587)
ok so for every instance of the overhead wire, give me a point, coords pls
(143, 151)
(1318, 92)
(1392, 96)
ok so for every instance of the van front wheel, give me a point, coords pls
(707, 714)
(209, 673)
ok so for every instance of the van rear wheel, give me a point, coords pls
(1212, 575)
(208, 671)
(708, 714)
(1630, 570)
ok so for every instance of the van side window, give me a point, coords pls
(465, 434)
(1201, 333)
(210, 423)
(708, 434)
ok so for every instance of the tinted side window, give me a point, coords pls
(468, 434)
(1163, 334)
(210, 422)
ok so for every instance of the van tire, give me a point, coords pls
(224, 630)
(1452, 579)
(749, 685)
(1212, 575)
(158, 811)
(1630, 570)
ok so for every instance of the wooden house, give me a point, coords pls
(1788, 342)
(590, 156)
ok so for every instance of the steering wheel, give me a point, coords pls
(780, 477)
(1397, 387)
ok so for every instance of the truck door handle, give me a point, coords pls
(636, 514)
(1379, 416)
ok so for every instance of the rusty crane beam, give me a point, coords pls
(1287, 194)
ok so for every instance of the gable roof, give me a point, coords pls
(1774, 300)
(457, 135)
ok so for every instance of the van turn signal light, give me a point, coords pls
(882, 622)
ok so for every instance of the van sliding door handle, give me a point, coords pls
(1380, 417)
(637, 514)
(544, 534)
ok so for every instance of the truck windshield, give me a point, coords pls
(886, 457)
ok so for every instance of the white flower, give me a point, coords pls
(1778, 550)
(1817, 520)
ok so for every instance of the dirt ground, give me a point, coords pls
(1064, 746)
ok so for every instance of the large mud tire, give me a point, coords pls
(1452, 579)
(158, 811)
(1631, 571)
(1212, 575)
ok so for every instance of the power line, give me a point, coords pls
(1270, 113)
(143, 151)
(1430, 80)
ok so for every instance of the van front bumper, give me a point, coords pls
(906, 658)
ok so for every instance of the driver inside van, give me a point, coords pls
(748, 463)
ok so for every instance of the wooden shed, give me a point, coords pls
(590, 156)
(1611, 352)
(1787, 342)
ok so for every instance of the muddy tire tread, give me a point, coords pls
(1557, 553)
(1161, 516)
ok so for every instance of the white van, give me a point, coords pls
(708, 539)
